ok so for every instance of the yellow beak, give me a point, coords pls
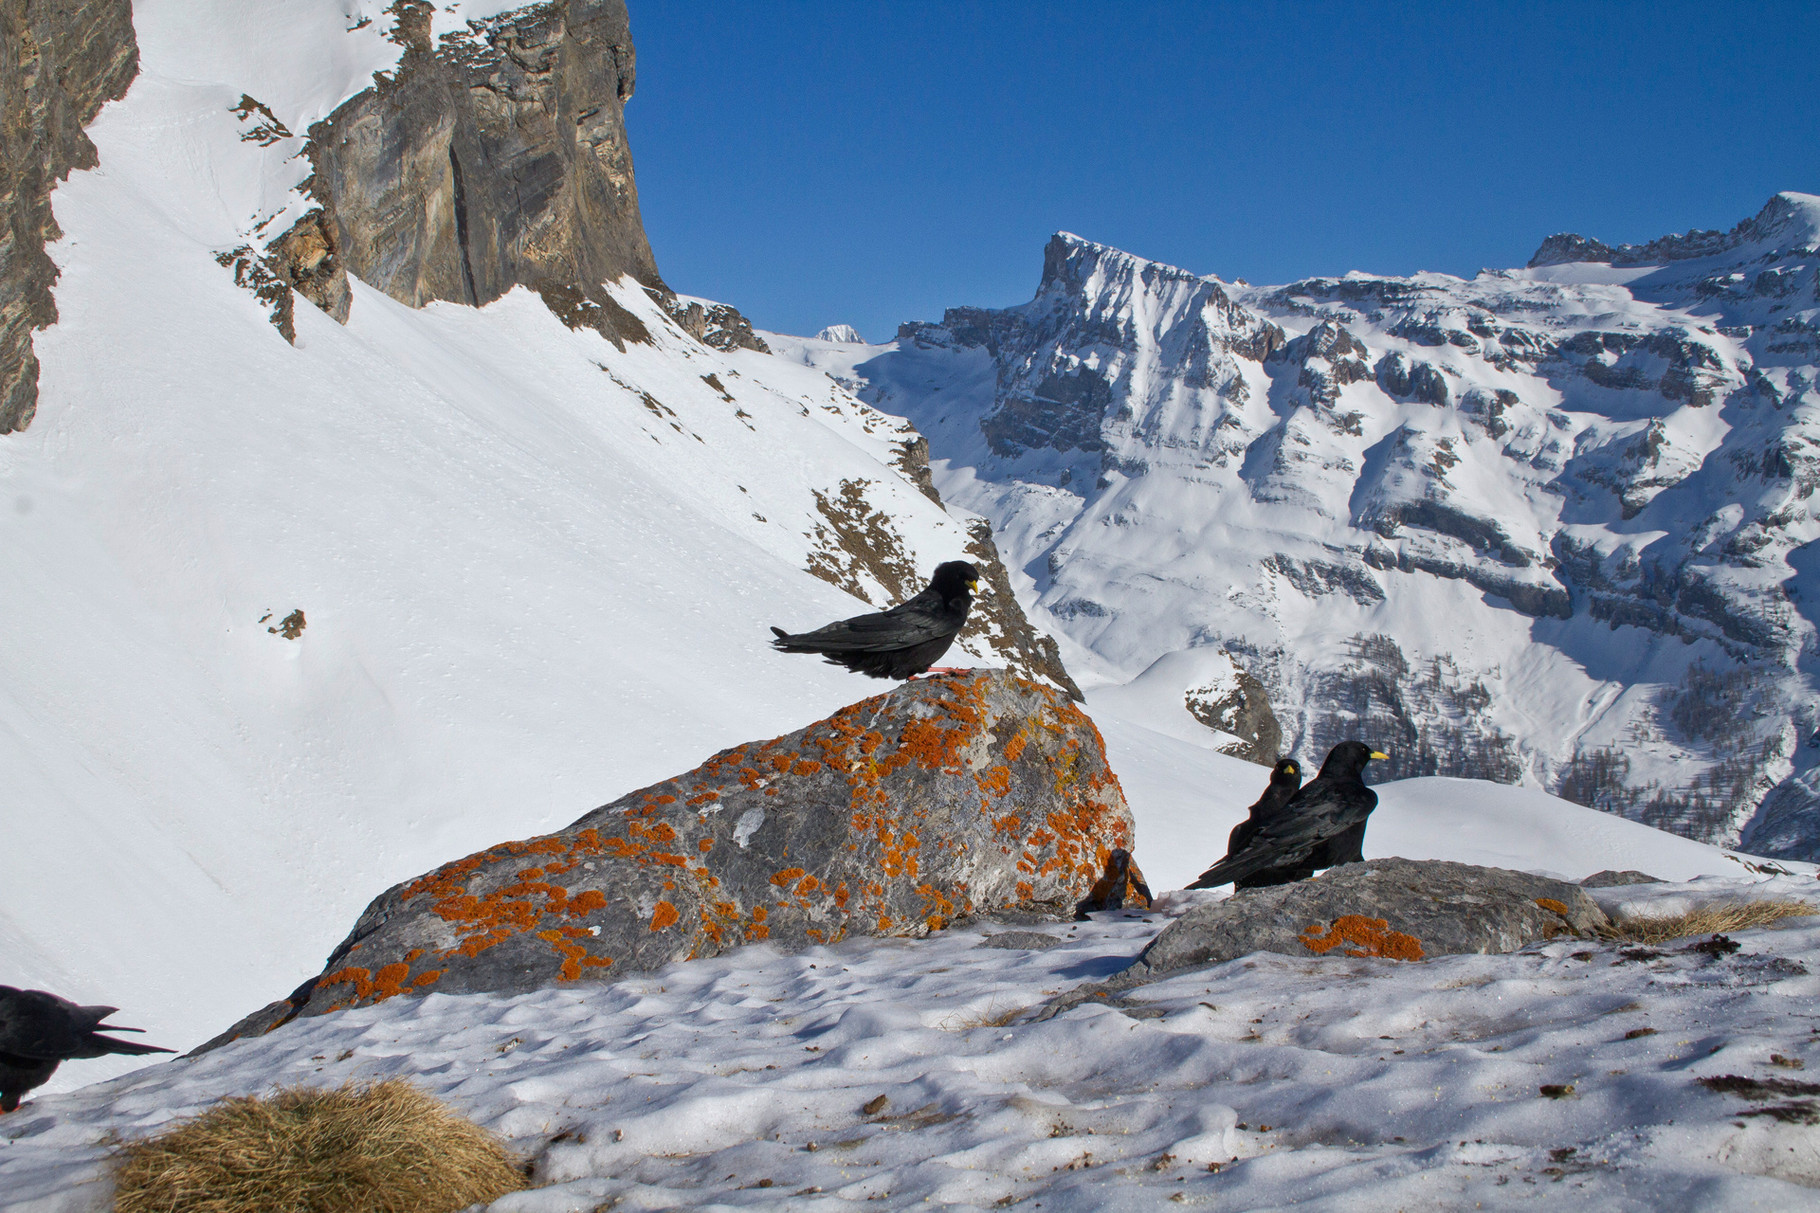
(1375, 754)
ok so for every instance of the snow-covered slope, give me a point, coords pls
(532, 569)
(1547, 524)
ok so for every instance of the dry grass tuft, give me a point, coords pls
(1709, 920)
(383, 1148)
(992, 1017)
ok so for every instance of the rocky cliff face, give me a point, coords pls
(58, 64)
(494, 158)
(491, 157)
(1549, 524)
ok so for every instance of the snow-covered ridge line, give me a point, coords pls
(1545, 524)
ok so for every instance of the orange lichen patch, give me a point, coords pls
(807, 886)
(704, 798)
(1014, 749)
(705, 845)
(587, 902)
(411, 956)
(1361, 936)
(997, 780)
(663, 916)
(428, 978)
(663, 831)
(788, 876)
(1551, 905)
(664, 799)
(360, 979)
(1025, 890)
(807, 766)
(841, 895)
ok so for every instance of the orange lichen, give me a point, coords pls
(1553, 906)
(1361, 936)
(788, 876)
(588, 901)
(664, 915)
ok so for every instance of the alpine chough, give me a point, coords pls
(1285, 782)
(40, 1030)
(1121, 879)
(901, 642)
(1323, 819)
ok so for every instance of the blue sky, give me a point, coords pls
(814, 163)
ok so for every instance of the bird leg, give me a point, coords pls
(944, 669)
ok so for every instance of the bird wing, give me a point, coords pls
(915, 621)
(1313, 815)
(34, 1023)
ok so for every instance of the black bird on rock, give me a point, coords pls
(1320, 824)
(902, 642)
(1120, 880)
(1285, 782)
(40, 1030)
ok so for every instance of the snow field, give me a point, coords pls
(1261, 1083)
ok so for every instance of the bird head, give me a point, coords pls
(1348, 759)
(1287, 770)
(954, 578)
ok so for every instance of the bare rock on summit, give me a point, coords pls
(1403, 909)
(58, 64)
(944, 798)
(491, 158)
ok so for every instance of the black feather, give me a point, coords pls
(901, 642)
(39, 1030)
(1323, 820)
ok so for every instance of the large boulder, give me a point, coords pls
(943, 798)
(1404, 909)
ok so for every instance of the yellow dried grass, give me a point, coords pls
(386, 1147)
(1714, 919)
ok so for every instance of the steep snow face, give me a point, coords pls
(289, 623)
(1548, 525)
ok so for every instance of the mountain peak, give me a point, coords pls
(1787, 220)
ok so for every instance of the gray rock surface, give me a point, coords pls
(493, 159)
(1609, 879)
(1032, 941)
(1399, 908)
(946, 797)
(58, 64)
(1244, 712)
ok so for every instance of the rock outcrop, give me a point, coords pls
(944, 798)
(493, 158)
(58, 64)
(1404, 909)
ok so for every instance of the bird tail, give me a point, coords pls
(1225, 872)
(109, 1045)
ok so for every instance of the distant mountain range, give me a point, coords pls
(1554, 523)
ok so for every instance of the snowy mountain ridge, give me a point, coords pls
(1545, 524)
